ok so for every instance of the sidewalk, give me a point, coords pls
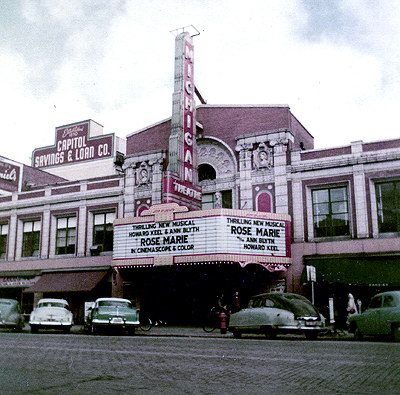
(330, 334)
(190, 331)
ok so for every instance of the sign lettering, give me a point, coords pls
(73, 145)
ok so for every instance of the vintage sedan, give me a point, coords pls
(51, 314)
(381, 318)
(10, 315)
(112, 314)
(278, 313)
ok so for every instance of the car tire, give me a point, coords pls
(236, 334)
(395, 332)
(357, 334)
(130, 331)
(270, 333)
(311, 335)
(67, 329)
(34, 329)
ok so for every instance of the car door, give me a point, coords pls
(385, 315)
(263, 313)
(368, 321)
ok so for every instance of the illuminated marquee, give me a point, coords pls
(73, 145)
(252, 238)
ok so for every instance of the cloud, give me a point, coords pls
(337, 67)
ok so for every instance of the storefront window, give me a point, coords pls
(388, 205)
(31, 239)
(103, 230)
(66, 235)
(330, 212)
(3, 240)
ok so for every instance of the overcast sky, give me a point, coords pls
(335, 63)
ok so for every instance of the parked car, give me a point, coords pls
(381, 318)
(51, 314)
(275, 313)
(112, 314)
(10, 315)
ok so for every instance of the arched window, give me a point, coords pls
(206, 172)
(264, 202)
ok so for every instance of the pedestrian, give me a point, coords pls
(221, 303)
(235, 302)
(351, 306)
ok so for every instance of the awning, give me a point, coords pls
(360, 270)
(67, 281)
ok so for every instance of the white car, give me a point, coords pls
(276, 313)
(51, 314)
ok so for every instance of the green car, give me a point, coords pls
(10, 315)
(112, 314)
(381, 318)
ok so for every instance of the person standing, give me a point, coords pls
(351, 306)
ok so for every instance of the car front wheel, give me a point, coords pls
(311, 335)
(357, 334)
(396, 332)
(34, 329)
(236, 334)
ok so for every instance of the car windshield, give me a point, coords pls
(5, 306)
(297, 304)
(115, 303)
(53, 304)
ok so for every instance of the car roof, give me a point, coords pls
(113, 299)
(45, 300)
(276, 294)
(9, 300)
(395, 293)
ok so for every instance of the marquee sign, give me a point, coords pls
(73, 144)
(180, 182)
(9, 176)
(252, 238)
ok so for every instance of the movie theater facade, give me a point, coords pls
(264, 217)
(216, 199)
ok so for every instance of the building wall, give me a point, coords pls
(256, 155)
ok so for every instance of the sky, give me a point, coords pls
(336, 63)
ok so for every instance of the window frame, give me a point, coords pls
(31, 239)
(106, 241)
(331, 229)
(67, 237)
(4, 228)
(380, 211)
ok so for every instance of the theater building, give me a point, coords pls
(216, 199)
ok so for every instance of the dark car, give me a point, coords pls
(112, 314)
(381, 318)
(274, 313)
(10, 315)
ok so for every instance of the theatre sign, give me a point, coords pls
(202, 236)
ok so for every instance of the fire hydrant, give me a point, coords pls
(223, 322)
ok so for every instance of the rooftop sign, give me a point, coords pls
(9, 176)
(73, 144)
